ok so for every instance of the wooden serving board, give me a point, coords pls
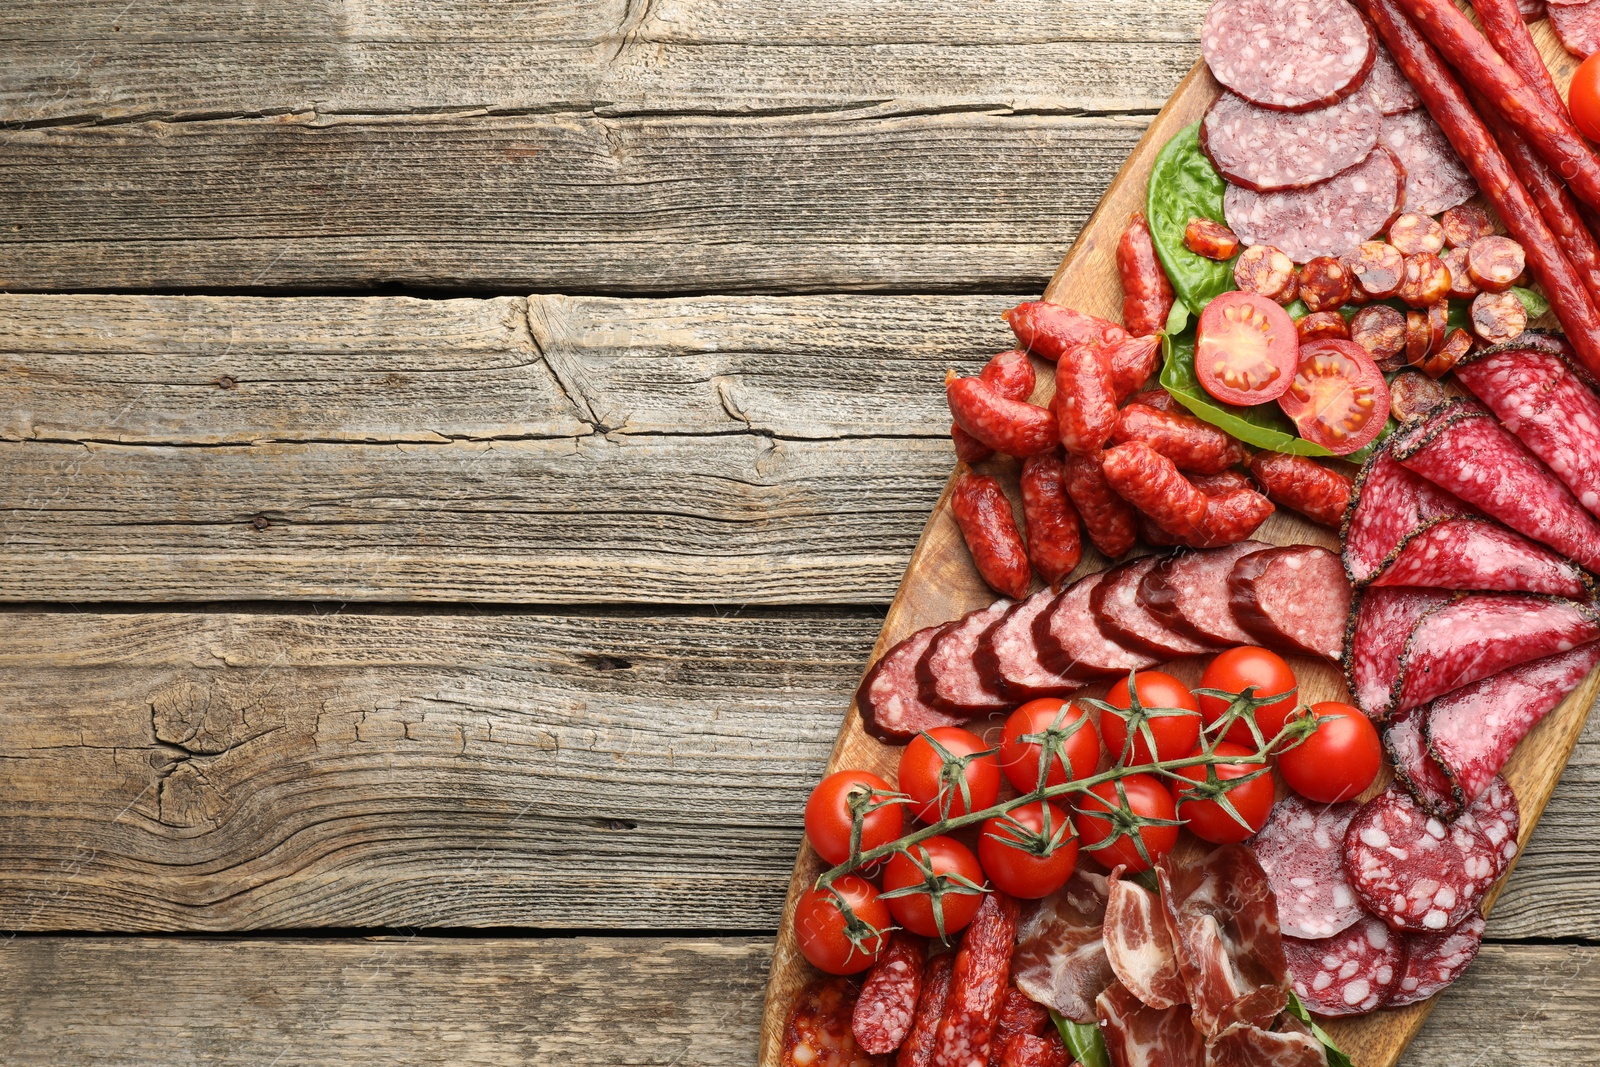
(941, 584)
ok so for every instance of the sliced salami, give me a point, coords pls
(1485, 633)
(1434, 961)
(1188, 593)
(1289, 55)
(917, 1048)
(1137, 1035)
(1293, 600)
(1473, 731)
(1380, 623)
(1577, 27)
(1496, 818)
(1060, 960)
(1139, 945)
(1330, 218)
(1394, 93)
(1388, 503)
(1267, 150)
(947, 675)
(888, 1002)
(1008, 660)
(1416, 768)
(1122, 619)
(1436, 179)
(1302, 850)
(1474, 552)
(818, 1031)
(1350, 973)
(889, 698)
(1070, 641)
(1251, 1046)
(1542, 400)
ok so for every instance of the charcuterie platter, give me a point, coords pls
(954, 574)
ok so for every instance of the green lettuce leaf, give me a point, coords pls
(1184, 185)
(1263, 426)
(1083, 1040)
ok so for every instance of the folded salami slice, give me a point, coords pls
(1380, 623)
(947, 676)
(1140, 1036)
(1122, 619)
(1416, 768)
(1473, 731)
(1070, 642)
(1434, 961)
(1436, 179)
(1474, 552)
(1577, 27)
(1468, 453)
(1543, 401)
(1288, 54)
(1139, 945)
(1388, 503)
(1251, 1046)
(1394, 93)
(1302, 850)
(1060, 959)
(1294, 600)
(1267, 150)
(1008, 660)
(1485, 633)
(1350, 973)
(1188, 593)
(889, 697)
(1327, 219)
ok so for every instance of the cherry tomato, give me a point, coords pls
(1018, 867)
(1208, 819)
(1102, 817)
(1176, 735)
(1076, 758)
(1338, 398)
(1245, 349)
(943, 857)
(829, 821)
(1583, 98)
(1248, 665)
(819, 926)
(1339, 760)
(931, 785)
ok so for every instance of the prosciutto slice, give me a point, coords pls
(1060, 959)
(1139, 945)
(1251, 1046)
(1138, 1035)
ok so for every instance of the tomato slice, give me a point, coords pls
(1338, 397)
(1245, 349)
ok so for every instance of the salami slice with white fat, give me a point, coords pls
(1416, 768)
(1395, 94)
(1388, 502)
(1060, 959)
(1436, 179)
(1138, 1035)
(1434, 961)
(1294, 600)
(1188, 593)
(889, 697)
(888, 1001)
(1070, 641)
(1577, 27)
(1330, 218)
(1380, 623)
(947, 676)
(1008, 660)
(1289, 55)
(1496, 818)
(1139, 945)
(1122, 619)
(1251, 1046)
(1302, 850)
(1267, 150)
(1350, 973)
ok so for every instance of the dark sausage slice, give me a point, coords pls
(1464, 224)
(1293, 600)
(1188, 593)
(889, 698)
(1495, 263)
(1302, 850)
(1008, 659)
(1123, 619)
(1379, 329)
(1462, 287)
(1412, 233)
(1324, 284)
(1350, 973)
(1070, 642)
(1412, 396)
(1378, 268)
(948, 676)
(1434, 961)
(1321, 325)
(1426, 280)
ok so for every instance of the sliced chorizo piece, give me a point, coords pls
(1137, 1035)
(1139, 945)
(1267, 150)
(1425, 281)
(887, 1005)
(1415, 767)
(1188, 593)
(1435, 961)
(1294, 600)
(1412, 233)
(1472, 552)
(1350, 973)
(1125, 621)
(1321, 325)
(1211, 239)
(1325, 284)
(1412, 395)
(1302, 850)
(1381, 331)
(1380, 622)
(1060, 960)
(1464, 224)
(818, 1034)
(1455, 260)
(1577, 27)
(1330, 218)
(1436, 179)
(1394, 93)
(1455, 348)
(1495, 263)
(1266, 271)
(948, 676)
(1377, 267)
(1498, 317)
(1071, 643)
(1290, 55)
(890, 698)
(1008, 660)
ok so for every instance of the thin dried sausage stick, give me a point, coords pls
(917, 1048)
(888, 1002)
(1146, 293)
(978, 985)
(990, 530)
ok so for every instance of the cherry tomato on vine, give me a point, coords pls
(1176, 735)
(1077, 757)
(820, 927)
(1232, 671)
(1583, 99)
(1012, 858)
(829, 820)
(1102, 817)
(943, 859)
(924, 773)
(1207, 818)
(1340, 758)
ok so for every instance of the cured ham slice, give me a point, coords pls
(1380, 624)
(1251, 1046)
(1138, 1035)
(1060, 959)
(1139, 945)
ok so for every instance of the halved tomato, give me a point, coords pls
(1338, 397)
(1245, 349)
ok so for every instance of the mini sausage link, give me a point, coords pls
(1221, 482)
(990, 530)
(1152, 483)
(1049, 331)
(1265, 271)
(1051, 522)
(1196, 447)
(1085, 404)
(969, 449)
(1413, 395)
(1419, 337)
(1324, 284)
(1426, 281)
(1010, 427)
(1412, 233)
(1211, 239)
(1132, 363)
(1495, 263)
(1010, 374)
(1231, 517)
(1440, 363)
(1155, 397)
(1465, 224)
(1381, 330)
(1378, 268)
(1321, 324)
(1155, 536)
(917, 1049)
(1107, 518)
(1498, 317)
(1146, 292)
(1461, 284)
(1304, 485)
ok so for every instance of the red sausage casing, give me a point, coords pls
(1146, 293)
(1152, 483)
(1050, 331)
(1303, 485)
(1107, 518)
(1054, 547)
(990, 530)
(1010, 427)
(1085, 404)
(1195, 447)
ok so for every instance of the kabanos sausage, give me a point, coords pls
(888, 1002)
(1230, 518)
(1152, 483)
(1010, 427)
(1195, 447)
(1054, 547)
(1011, 375)
(978, 984)
(1132, 362)
(1303, 485)
(1050, 331)
(1107, 518)
(1146, 292)
(1085, 404)
(990, 530)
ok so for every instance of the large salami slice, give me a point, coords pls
(818, 1031)
(1327, 219)
(1436, 180)
(1471, 455)
(1070, 642)
(1139, 945)
(1302, 850)
(1289, 55)
(1394, 93)
(1350, 973)
(1060, 960)
(1485, 633)
(1008, 660)
(1269, 150)
(1380, 623)
(1416, 768)
(889, 698)
(1188, 593)
(1137, 1035)
(1542, 400)
(1577, 27)
(947, 676)
(1474, 552)
(1433, 961)
(1123, 620)
(1294, 600)
(1473, 731)
(1251, 1046)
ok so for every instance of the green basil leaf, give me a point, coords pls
(1177, 318)
(1264, 425)
(1083, 1040)
(1184, 185)
(1335, 1057)
(1297, 309)
(1535, 303)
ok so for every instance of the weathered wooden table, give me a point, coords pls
(399, 667)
